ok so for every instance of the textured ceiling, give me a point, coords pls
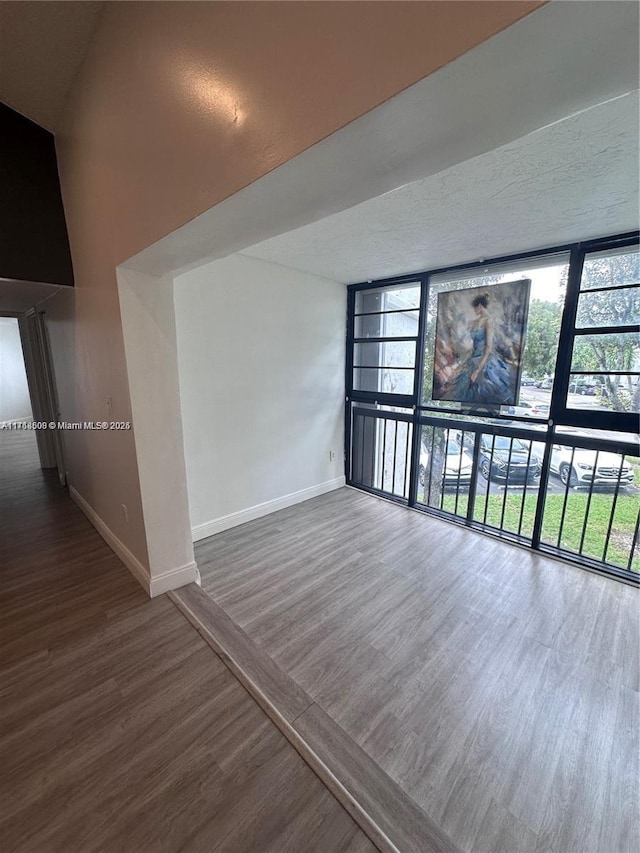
(41, 47)
(575, 179)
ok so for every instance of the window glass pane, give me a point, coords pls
(606, 434)
(548, 278)
(604, 392)
(611, 268)
(395, 298)
(606, 353)
(397, 325)
(385, 354)
(385, 380)
(609, 308)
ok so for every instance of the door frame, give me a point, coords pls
(43, 393)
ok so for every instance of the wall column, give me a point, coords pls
(148, 322)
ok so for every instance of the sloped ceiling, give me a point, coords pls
(576, 179)
(41, 47)
(526, 141)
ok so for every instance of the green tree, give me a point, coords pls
(541, 346)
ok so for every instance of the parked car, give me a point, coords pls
(583, 388)
(522, 409)
(540, 410)
(526, 381)
(577, 468)
(458, 465)
(509, 461)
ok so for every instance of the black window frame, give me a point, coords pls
(560, 414)
(357, 395)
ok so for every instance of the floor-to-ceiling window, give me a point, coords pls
(505, 395)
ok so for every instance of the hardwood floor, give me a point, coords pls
(390, 818)
(496, 687)
(121, 730)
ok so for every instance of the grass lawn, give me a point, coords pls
(622, 526)
(596, 529)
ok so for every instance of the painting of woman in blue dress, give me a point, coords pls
(479, 344)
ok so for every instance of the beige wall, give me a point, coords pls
(178, 106)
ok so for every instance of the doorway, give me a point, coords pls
(28, 394)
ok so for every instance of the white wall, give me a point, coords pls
(261, 366)
(14, 392)
(149, 330)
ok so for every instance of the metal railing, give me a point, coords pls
(596, 515)
(381, 452)
(572, 496)
(486, 475)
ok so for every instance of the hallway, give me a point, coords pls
(122, 730)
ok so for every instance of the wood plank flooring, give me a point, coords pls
(120, 729)
(389, 817)
(497, 687)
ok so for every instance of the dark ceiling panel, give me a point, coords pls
(34, 245)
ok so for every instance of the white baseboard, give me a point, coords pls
(153, 586)
(140, 572)
(174, 578)
(234, 519)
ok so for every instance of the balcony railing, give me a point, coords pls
(381, 452)
(572, 496)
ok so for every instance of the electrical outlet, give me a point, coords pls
(332, 456)
(125, 512)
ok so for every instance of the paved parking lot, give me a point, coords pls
(538, 396)
(555, 488)
(533, 397)
(555, 484)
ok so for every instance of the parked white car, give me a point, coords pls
(579, 471)
(458, 465)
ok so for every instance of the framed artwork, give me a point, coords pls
(480, 334)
